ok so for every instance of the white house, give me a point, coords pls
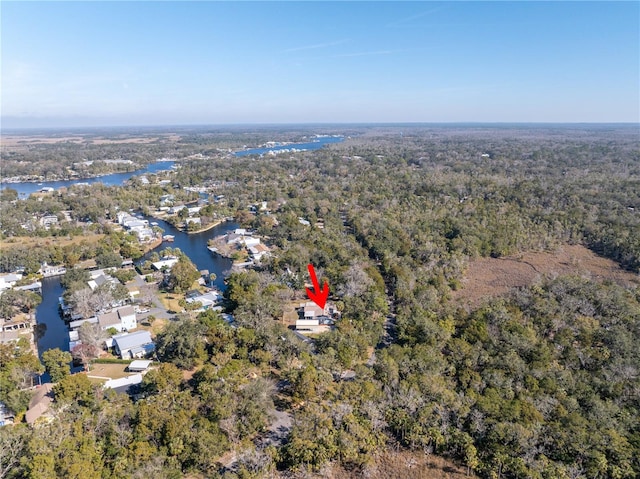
(48, 220)
(208, 300)
(48, 270)
(121, 319)
(100, 280)
(251, 241)
(166, 262)
(123, 384)
(133, 345)
(258, 251)
(9, 280)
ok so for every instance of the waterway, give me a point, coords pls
(51, 330)
(24, 189)
(195, 247)
(316, 144)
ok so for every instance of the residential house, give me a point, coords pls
(133, 345)
(121, 319)
(48, 270)
(9, 280)
(312, 310)
(39, 404)
(166, 262)
(258, 251)
(36, 287)
(208, 300)
(48, 220)
(175, 209)
(101, 279)
(251, 241)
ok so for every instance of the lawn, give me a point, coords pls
(112, 371)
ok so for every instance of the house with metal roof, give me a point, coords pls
(133, 345)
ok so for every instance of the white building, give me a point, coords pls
(121, 319)
(133, 345)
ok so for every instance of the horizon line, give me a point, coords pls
(320, 123)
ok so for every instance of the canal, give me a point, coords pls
(51, 330)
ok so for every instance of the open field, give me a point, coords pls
(22, 141)
(113, 371)
(490, 277)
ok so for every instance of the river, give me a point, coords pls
(315, 144)
(51, 330)
(195, 247)
(24, 189)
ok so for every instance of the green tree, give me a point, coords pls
(56, 363)
(182, 275)
(182, 343)
(74, 388)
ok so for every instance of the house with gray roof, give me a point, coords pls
(133, 345)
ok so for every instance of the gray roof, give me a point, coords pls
(132, 340)
(108, 319)
(126, 311)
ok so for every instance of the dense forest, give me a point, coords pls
(543, 382)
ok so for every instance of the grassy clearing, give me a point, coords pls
(490, 277)
(113, 371)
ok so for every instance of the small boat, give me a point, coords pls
(168, 238)
(154, 223)
(212, 249)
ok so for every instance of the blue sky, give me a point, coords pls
(154, 63)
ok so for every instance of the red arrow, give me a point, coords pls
(320, 295)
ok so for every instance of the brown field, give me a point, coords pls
(490, 277)
(21, 141)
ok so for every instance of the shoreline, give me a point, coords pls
(206, 228)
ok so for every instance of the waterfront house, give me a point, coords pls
(167, 262)
(121, 319)
(48, 270)
(39, 404)
(9, 280)
(79, 322)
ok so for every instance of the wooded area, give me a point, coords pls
(543, 382)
